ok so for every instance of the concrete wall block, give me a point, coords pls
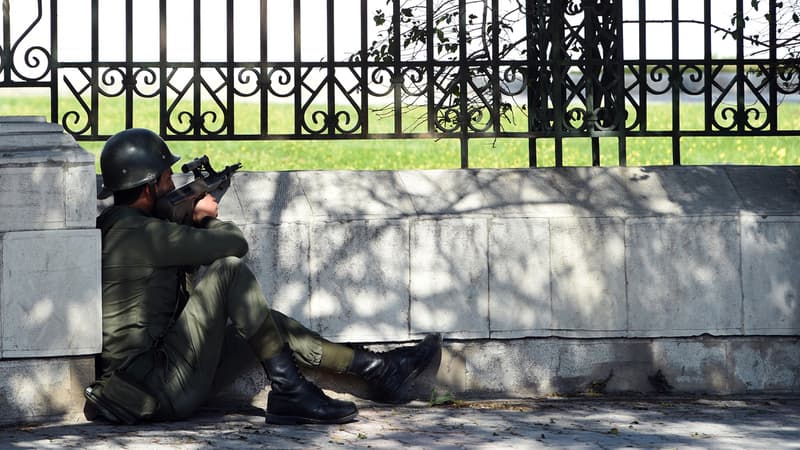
(632, 365)
(511, 367)
(770, 264)
(343, 195)
(444, 191)
(608, 192)
(31, 146)
(80, 196)
(697, 365)
(519, 278)
(604, 366)
(33, 198)
(522, 193)
(684, 190)
(451, 373)
(588, 273)
(767, 190)
(765, 364)
(278, 257)
(50, 301)
(683, 276)
(33, 390)
(449, 277)
(268, 197)
(359, 281)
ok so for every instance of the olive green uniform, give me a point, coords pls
(173, 337)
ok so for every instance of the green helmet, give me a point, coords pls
(132, 158)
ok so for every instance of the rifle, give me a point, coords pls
(178, 204)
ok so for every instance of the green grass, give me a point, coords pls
(437, 154)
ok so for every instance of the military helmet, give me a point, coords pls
(132, 158)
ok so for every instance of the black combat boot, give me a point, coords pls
(295, 400)
(386, 373)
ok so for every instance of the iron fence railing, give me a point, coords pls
(378, 69)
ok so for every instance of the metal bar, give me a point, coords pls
(264, 67)
(397, 77)
(559, 70)
(772, 112)
(619, 117)
(5, 56)
(740, 74)
(429, 67)
(364, 82)
(129, 81)
(92, 116)
(463, 73)
(643, 65)
(451, 135)
(529, 8)
(197, 74)
(495, 79)
(676, 86)
(707, 73)
(330, 77)
(162, 68)
(53, 60)
(230, 116)
(298, 85)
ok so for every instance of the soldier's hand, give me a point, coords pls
(206, 207)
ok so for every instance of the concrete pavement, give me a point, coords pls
(584, 423)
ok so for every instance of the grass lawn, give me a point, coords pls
(445, 153)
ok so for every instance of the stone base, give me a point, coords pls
(41, 390)
(554, 366)
(38, 390)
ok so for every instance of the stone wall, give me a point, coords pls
(543, 280)
(578, 253)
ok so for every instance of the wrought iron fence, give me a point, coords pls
(382, 69)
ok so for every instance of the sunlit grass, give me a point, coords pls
(426, 153)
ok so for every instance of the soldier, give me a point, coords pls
(168, 343)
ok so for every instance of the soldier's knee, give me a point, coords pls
(229, 261)
(230, 264)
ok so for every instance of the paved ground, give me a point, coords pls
(590, 423)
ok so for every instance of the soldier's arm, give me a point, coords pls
(193, 246)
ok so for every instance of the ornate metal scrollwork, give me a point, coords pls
(196, 118)
(632, 114)
(347, 122)
(247, 82)
(35, 58)
(733, 110)
(318, 121)
(278, 79)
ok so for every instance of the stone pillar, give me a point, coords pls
(50, 314)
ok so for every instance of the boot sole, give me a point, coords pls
(299, 420)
